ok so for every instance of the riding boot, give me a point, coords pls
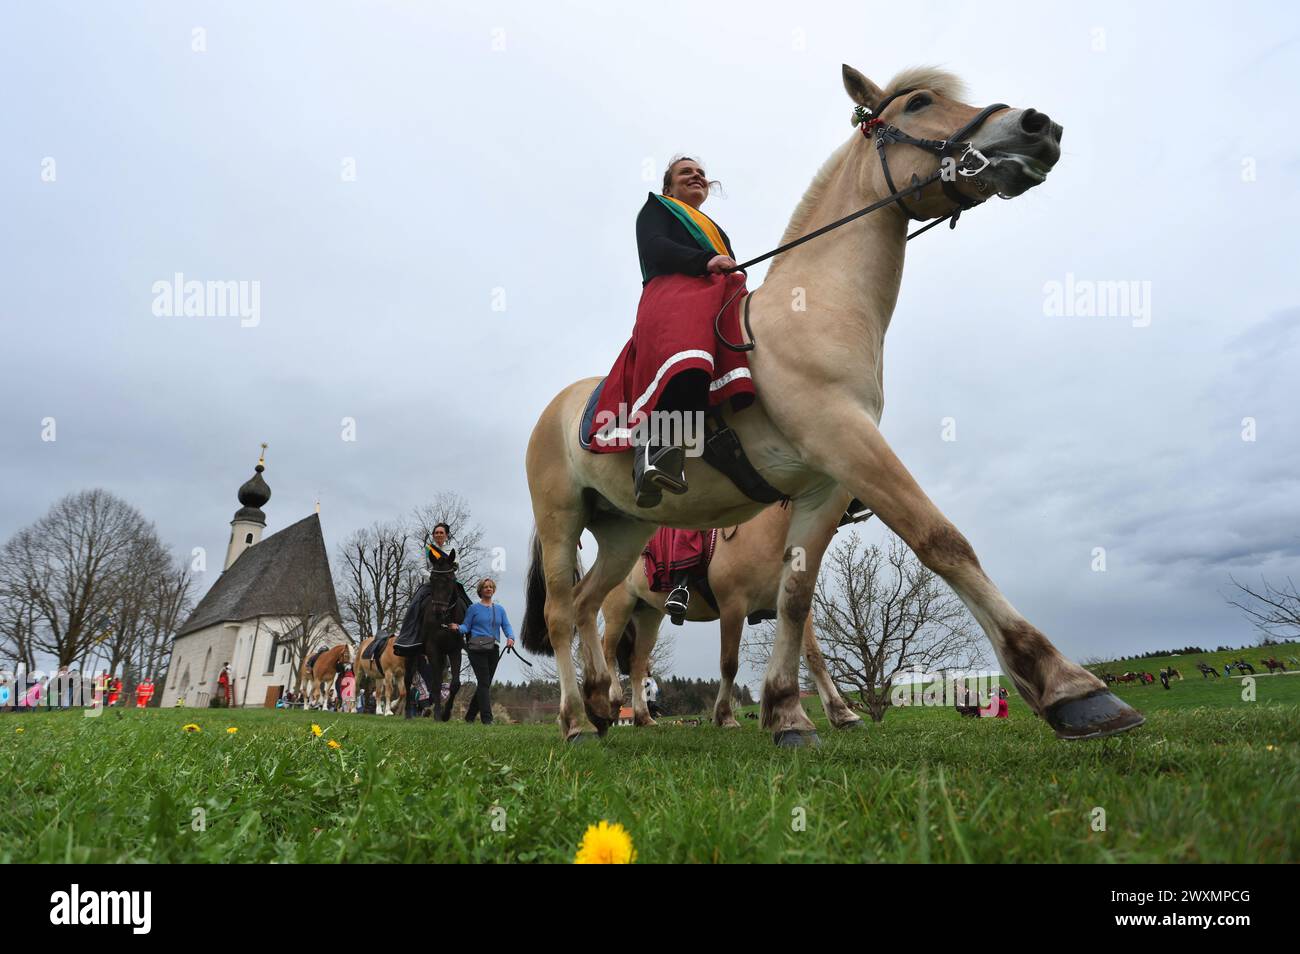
(656, 468)
(679, 599)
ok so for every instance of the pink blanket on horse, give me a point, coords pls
(673, 333)
(670, 551)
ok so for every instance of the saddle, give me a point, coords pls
(722, 450)
(375, 652)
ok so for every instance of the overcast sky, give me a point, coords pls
(392, 174)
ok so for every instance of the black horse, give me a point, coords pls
(425, 641)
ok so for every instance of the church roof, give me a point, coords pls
(284, 575)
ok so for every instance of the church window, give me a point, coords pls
(248, 538)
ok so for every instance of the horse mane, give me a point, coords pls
(927, 77)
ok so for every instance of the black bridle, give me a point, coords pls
(967, 162)
(971, 162)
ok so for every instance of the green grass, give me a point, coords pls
(1208, 778)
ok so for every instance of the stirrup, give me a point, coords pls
(647, 493)
(667, 469)
(676, 604)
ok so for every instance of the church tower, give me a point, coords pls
(246, 529)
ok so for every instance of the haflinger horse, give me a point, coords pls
(745, 577)
(388, 678)
(813, 432)
(319, 670)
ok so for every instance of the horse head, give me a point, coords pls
(922, 130)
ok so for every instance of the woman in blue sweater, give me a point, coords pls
(483, 626)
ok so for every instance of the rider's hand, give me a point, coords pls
(720, 262)
(509, 643)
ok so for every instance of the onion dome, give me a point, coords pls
(254, 494)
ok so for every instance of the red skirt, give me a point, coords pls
(673, 333)
(671, 551)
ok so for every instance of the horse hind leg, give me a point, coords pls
(620, 543)
(837, 710)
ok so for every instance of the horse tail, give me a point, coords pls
(626, 643)
(533, 632)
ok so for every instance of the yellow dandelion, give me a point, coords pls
(1270, 748)
(20, 730)
(190, 727)
(333, 745)
(232, 730)
(315, 730)
(605, 844)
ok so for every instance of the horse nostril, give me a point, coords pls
(1034, 122)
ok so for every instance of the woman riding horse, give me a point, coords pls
(675, 242)
(439, 600)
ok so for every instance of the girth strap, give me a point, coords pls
(723, 450)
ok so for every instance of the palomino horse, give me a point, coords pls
(745, 577)
(813, 432)
(319, 670)
(388, 678)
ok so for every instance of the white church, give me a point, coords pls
(255, 609)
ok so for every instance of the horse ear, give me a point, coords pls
(860, 89)
(451, 557)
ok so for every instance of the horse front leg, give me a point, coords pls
(647, 620)
(811, 527)
(731, 623)
(454, 687)
(617, 612)
(1076, 704)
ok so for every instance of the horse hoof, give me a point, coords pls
(581, 738)
(1099, 713)
(795, 739)
(856, 724)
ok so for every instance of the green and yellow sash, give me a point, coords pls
(697, 223)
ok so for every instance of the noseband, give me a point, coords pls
(969, 161)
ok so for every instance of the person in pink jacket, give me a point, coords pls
(347, 691)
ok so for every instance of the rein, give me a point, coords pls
(872, 125)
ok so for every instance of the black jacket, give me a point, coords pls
(666, 247)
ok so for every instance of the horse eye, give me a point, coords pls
(917, 103)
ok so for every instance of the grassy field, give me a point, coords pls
(1210, 777)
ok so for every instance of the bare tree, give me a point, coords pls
(171, 602)
(72, 568)
(18, 622)
(1273, 610)
(879, 613)
(372, 579)
(129, 618)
